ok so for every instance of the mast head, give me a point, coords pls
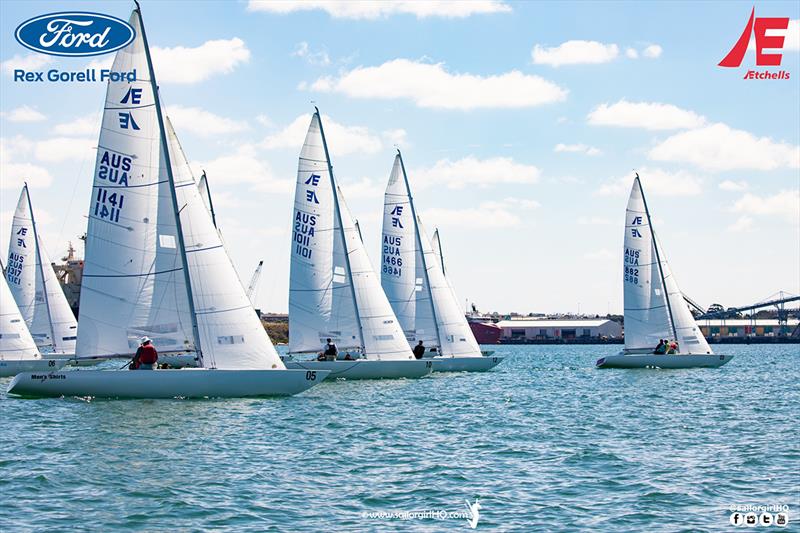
(138, 7)
(316, 110)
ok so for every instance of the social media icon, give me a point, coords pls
(737, 519)
(751, 520)
(765, 519)
(782, 519)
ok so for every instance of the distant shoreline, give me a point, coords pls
(730, 340)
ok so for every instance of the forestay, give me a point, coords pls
(334, 291)
(654, 306)
(15, 340)
(35, 286)
(133, 281)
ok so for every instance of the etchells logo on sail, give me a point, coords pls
(74, 33)
(774, 42)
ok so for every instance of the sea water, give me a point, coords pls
(544, 442)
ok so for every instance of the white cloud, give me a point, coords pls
(80, 126)
(60, 149)
(577, 148)
(396, 137)
(362, 188)
(23, 114)
(594, 221)
(742, 224)
(15, 170)
(785, 204)
(718, 147)
(192, 65)
(431, 86)
(374, 9)
(243, 166)
(603, 254)
(342, 140)
(203, 123)
(631, 53)
(653, 51)
(735, 186)
(264, 120)
(33, 61)
(485, 216)
(655, 182)
(575, 52)
(320, 58)
(473, 171)
(647, 115)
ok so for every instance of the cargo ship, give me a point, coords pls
(484, 327)
(69, 274)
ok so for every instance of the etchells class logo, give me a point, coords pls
(760, 26)
(74, 33)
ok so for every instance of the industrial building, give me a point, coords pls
(532, 330)
(716, 328)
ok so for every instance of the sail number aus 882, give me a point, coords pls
(632, 275)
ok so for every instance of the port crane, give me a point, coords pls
(251, 289)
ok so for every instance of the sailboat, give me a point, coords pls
(18, 351)
(35, 287)
(655, 308)
(156, 267)
(333, 292)
(414, 281)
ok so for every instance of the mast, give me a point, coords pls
(341, 229)
(173, 196)
(210, 201)
(658, 258)
(439, 245)
(41, 268)
(422, 253)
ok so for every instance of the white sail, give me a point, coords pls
(403, 275)
(34, 284)
(15, 339)
(414, 279)
(231, 334)
(133, 281)
(650, 315)
(334, 291)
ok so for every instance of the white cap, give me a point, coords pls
(144, 340)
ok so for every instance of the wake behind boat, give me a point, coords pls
(413, 277)
(333, 290)
(660, 331)
(156, 267)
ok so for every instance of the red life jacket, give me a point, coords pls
(147, 354)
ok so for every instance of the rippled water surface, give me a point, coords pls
(545, 442)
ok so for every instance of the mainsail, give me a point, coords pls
(412, 275)
(35, 286)
(133, 281)
(654, 306)
(15, 339)
(334, 292)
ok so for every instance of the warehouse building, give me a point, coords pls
(544, 329)
(746, 327)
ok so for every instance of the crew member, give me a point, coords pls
(419, 350)
(146, 356)
(331, 351)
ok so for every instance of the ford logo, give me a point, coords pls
(74, 33)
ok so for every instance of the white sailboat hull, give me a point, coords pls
(466, 364)
(12, 367)
(663, 361)
(366, 368)
(188, 383)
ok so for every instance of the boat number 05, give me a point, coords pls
(311, 375)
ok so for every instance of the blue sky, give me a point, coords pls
(520, 124)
